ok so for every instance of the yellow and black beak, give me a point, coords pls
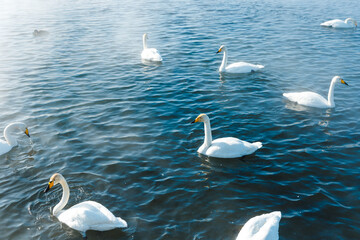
(219, 50)
(50, 185)
(343, 82)
(27, 132)
(196, 120)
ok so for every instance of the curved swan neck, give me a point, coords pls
(208, 136)
(144, 41)
(331, 92)
(65, 197)
(10, 139)
(224, 61)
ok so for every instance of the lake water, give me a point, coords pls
(119, 130)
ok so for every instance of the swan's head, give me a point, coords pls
(339, 79)
(19, 126)
(201, 118)
(145, 36)
(351, 20)
(55, 179)
(222, 48)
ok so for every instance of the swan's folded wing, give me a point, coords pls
(230, 147)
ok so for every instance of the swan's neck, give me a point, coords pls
(10, 139)
(208, 136)
(331, 93)
(144, 42)
(64, 199)
(348, 20)
(224, 62)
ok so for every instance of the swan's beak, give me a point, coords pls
(50, 185)
(27, 132)
(343, 82)
(196, 120)
(219, 50)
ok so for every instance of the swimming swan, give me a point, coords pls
(88, 215)
(150, 54)
(228, 147)
(263, 227)
(40, 33)
(239, 67)
(312, 99)
(337, 23)
(6, 146)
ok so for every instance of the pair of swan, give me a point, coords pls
(312, 99)
(90, 215)
(84, 216)
(337, 23)
(263, 227)
(10, 139)
(228, 147)
(153, 55)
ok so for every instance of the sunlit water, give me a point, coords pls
(120, 132)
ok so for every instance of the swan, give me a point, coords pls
(227, 147)
(337, 23)
(263, 227)
(312, 99)
(239, 67)
(150, 54)
(6, 146)
(88, 215)
(40, 33)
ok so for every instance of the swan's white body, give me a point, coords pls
(10, 140)
(227, 147)
(312, 99)
(88, 215)
(238, 67)
(337, 23)
(263, 227)
(150, 54)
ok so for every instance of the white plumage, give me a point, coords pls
(150, 54)
(238, 67)
(312, 99)
(263, 227)
(337, 23)
(88, 215)
(10, 140)
(228, 147)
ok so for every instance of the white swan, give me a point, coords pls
(227, 147)
(312, 99)
(88, 215)
(150, 54)
(263, 227)
(6, 146)
(239, 67)
(337, 23)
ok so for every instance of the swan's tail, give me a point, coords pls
(257, 144)
(260, 66)
(121, 223)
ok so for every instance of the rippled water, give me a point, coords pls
(120, 132)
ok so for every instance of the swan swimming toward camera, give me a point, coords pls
(227, 147)
(88, 215)
(312, 99)
(238, 67)
(150, 54)
(337, 23)
(10, 140)
(263, 227)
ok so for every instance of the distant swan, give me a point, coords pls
(263, 227)
(227, 147)
(239, 67)
(150, 54)
(39, 33)
(88, 215)
(6, 146)
(312, 99)
(337, 23)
